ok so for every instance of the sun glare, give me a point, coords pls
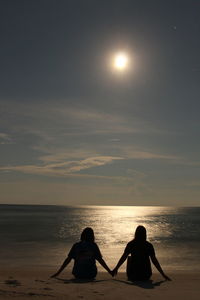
(120, 61)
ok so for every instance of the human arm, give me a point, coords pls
(158, 267)
(98, 257)
(120, 262)
(65, 263)
(104, 265)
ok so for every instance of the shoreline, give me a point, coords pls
(29, 283)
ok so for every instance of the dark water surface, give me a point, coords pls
(42, 235)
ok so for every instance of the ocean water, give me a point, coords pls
(33, 235)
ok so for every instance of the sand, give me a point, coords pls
(34, 283)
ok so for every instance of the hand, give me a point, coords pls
(54, 275)
(114, 272)
(110, 272)
(166, 277)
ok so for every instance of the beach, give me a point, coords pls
(35, 283)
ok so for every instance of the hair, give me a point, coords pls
(140, 234)
(87, 235)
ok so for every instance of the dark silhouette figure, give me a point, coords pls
(85, 253)
(138, 264)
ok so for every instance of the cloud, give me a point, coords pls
(60, 155)
(5, 139)
(131, 154)
(52, 122)
(93, 121)
(4, 136)
(58, 165)
(63, 168)
(72, 139)
(93, 162)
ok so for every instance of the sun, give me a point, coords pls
(120, 61)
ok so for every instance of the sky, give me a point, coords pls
(74, 129)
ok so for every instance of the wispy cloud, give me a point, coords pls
(93, 162)
(51, 122)
(60, 165)
(62, 168)
(130, 153)
(64, 146)
(5, 139)
(95, 121)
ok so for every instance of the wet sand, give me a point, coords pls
(35, 283)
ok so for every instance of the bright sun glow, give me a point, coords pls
(120, 61)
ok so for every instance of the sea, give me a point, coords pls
(42, 235)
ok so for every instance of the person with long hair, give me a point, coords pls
(85, 253)
(139, 264)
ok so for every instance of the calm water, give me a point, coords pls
(43, 235)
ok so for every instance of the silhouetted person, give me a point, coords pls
(139, 265)
(85, 253)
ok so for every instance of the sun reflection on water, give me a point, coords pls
(116, 225)
(49, 233)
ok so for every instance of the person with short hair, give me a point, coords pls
(85, 253)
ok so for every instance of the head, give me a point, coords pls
(87, 235)
(140, 234)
